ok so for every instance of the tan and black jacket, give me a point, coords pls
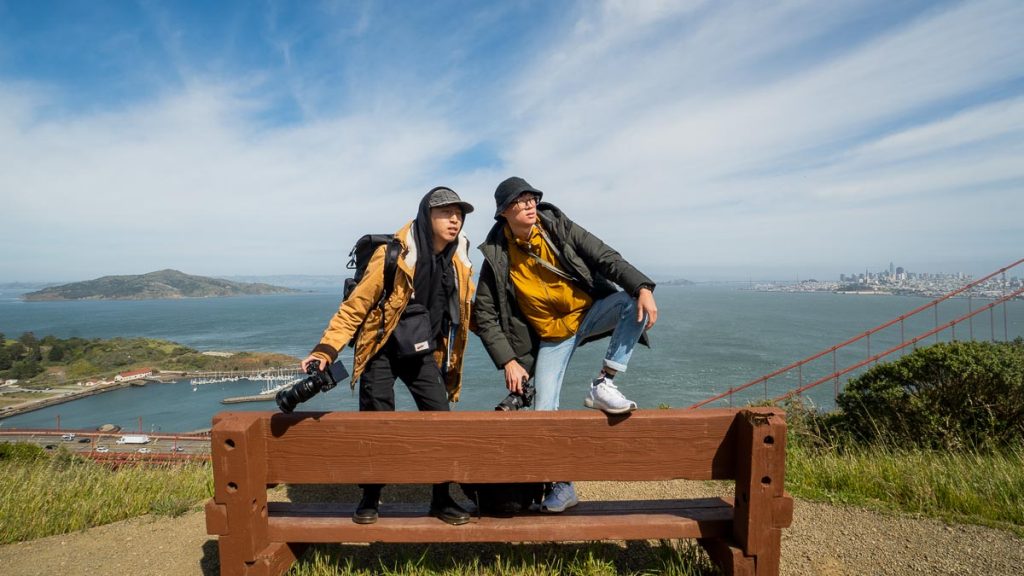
(359, 310)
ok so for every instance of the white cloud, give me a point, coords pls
(189, 181)
(719, 133)
(742, 166)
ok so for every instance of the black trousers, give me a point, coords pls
(420, 375)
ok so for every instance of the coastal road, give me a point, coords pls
(88, 442)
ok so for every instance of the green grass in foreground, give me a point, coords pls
(967, 487)
(673, 558)
(42, 495)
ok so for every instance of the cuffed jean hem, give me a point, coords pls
(615, 314)
(614, 365)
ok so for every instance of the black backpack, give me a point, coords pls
(360, 256)
(505, 499)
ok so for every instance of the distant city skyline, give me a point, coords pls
(702, 140)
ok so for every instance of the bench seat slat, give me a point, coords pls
(632, 520)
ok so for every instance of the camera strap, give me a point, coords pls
(547, 265)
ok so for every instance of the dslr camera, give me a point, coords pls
(317, 381)
(516, 400)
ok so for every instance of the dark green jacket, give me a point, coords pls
(597, 268)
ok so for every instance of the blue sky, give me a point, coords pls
(704, 140)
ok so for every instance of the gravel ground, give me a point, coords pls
(824, 540)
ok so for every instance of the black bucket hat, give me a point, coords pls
(509, 190)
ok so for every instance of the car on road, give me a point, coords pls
(102, 449)
(178, 449)
(51, 446)
(145, 450)
(67, 437)
(84, 440)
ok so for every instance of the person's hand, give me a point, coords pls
(515, 375)
(645, 305)
(321, 364)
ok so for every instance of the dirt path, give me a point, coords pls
(824, 540)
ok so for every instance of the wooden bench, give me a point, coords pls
(252, 450)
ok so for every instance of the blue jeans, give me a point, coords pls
(616, 313)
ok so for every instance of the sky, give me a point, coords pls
(705, 140)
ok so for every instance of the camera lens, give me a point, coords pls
(288, 398)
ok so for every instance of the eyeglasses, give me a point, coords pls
(525, 201)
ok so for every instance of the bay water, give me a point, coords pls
(708, 338)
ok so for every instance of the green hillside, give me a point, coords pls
(155, 285)
(53, 361)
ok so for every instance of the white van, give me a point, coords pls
(67, 437)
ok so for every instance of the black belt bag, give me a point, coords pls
(412, 335)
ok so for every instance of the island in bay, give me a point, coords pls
(162, 284)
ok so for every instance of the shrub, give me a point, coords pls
(946, 396)
(25, 369)
(21, 452)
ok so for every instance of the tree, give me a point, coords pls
(31, 344)
(56, 354)
(17, 351)
(6, 358)
(25, 369)
(948, 395)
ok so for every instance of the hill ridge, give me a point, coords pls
(161, 284)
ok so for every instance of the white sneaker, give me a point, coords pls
(606, 397)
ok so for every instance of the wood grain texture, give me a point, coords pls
(410, 447)
(729, 559)
(651, 519)
(251, 450)
(760, 481)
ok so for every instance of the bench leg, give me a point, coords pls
(274, 560)
(762, 507)
(767, 562)
(729, 559)
(232, 556)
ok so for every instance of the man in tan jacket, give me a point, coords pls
(419, 334)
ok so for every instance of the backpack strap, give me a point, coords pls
(392, 251)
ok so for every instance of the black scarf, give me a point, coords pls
(434, 280)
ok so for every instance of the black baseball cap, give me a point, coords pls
(444, 196)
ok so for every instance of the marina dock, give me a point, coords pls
(254, 398)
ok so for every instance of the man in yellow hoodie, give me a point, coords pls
(548, 286)
(418, 335)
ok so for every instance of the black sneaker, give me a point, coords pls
(449, 511)
(366, 510)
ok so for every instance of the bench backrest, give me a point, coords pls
(429, 447)
(254, 449)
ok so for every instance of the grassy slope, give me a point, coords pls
(96, 358)
(986, 489)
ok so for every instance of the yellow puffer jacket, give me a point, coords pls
(360, 305)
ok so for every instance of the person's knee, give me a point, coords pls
(625, 302)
